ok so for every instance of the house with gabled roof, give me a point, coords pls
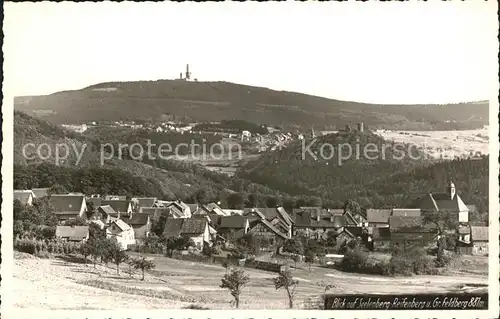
(172, 227)
(449, 202)
(479, 237)
(180, 209)
(196, 230)
(24, 196)
(411, 231)
(40, 192)
(68, 206)
(72, 233)
(406, 212)
(140, 202)
(105, 214)
(156, 212)
(122, 207)
(378, 218)
(141, 223)
(121, 232)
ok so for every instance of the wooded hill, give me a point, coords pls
(216, 101)
(378, 183)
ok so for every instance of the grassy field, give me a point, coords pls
(446, 143)
(63, 284)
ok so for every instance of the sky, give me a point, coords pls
(390, 53)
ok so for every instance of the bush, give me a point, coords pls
(197, 307)
(25, 246)
(354, 260)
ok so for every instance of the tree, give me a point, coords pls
(352, 207)
(143, 264)
(285, 280)
(443, 221)
(234, 282)
(235, 201)
(57, 189)
(86, 250)
(78, 221)
(118, 255)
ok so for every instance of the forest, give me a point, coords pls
(276, 178)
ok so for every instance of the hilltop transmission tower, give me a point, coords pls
(188, 74)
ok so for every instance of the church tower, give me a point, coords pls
(451, 190)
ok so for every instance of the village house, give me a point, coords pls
(140, 202)
(106, 214)
(122, 232)
(123, 208)
(141, 223)
(72, 233)
(233, 227)
(277, 217)
(317, 222)
(68, 206)
(378, 218)
(263, 229)
(479, 237)
(448, 202)
(210, 208)
(406, 212)
(409, 231)
(156, 212)
(24, 196)
(195, 229)
(180, 209)
(40, 192)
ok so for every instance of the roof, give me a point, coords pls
(155, 212)
(273, 229)
(146, 201)
(72, 232)
(139, 219)
(67, 204)
(479, 233)
(22, 195)
(409, 224)
(176, 211)
(354, 231)
(235, 221)
(193, 226)
(378, 215)
(108, 210)
(463, 230)
(121, 206)
(121, 224)
(172, 227)
(310, 220)
(40, 192)
(284, 215)
(192, 207)
(213, 207)
(263, 212)
(443, 202)
(412, 212)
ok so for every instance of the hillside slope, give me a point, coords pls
(378, 179)
(215, 101)
(164, 179)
